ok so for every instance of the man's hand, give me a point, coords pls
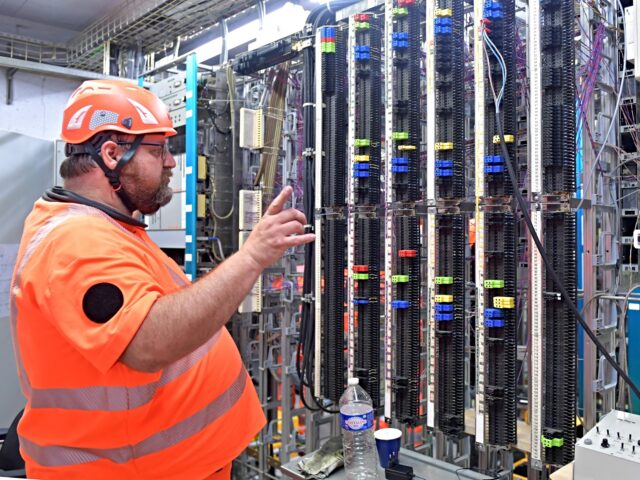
(277, 231)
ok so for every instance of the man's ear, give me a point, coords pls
(109, 153)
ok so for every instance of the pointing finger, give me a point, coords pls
(279, 202)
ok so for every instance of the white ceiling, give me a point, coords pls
(56, 21)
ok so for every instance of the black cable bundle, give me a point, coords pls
(333, 341)
(501, 341)
(368, 112)
(414, 55)
(367, 253)
(568, 98)
(334, 195)
(322, 15)
(406, 383)
(450, 334)
(559, 230)
(558, 73)
(406, 108)
(500, 234)
(334, 168)
(458, 70)
(450, 104)
(502, 33)
(559, 330)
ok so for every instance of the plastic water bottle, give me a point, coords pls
(358, 443)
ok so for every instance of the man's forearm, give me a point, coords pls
(180, 322)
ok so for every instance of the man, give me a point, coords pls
(127, 368)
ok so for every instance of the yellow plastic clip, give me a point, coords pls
(444, 298)
(504, 302)
(443, 146)
(443, 12)
(507, 139)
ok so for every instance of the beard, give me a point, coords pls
(147, 199)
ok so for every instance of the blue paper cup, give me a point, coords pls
(388, 445)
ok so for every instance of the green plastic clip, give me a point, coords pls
(362, 25)
(444, 280)
(399, 12)
(400, 135)
(400, 278)
(328, 47)
(361, 276)
(494, 284)
(551, 442)
(362, 142)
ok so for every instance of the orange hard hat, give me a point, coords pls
(113, 105)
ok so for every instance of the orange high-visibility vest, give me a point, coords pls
(89, 415)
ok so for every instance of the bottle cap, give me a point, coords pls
(353, 381)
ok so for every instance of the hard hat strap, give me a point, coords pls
(114, 175)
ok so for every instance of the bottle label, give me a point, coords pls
(356, 423)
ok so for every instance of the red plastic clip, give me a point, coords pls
(407, 253)
(361, 268)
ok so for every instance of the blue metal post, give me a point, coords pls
(191, 166)
(633, 339)
(579, 254)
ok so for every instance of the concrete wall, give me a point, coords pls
(38, 102)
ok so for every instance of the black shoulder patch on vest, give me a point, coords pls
(102, 301)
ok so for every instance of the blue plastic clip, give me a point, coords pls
(444, 172)
(360, 173)
(493, 313)
(443, 307)
(399, 161)
(443, 26)
(400, 304)
(444, 163)
(399, 44)
(493, 160)
(494, 169)
(492, 10)
(329, 32)
(360, 301)
(494, 323)
(400, 168)
(361, 166)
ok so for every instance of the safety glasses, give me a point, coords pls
(164, 146)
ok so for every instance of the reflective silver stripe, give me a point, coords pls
(98, 398)
(112, 398)
(59, 456)
(36, 239)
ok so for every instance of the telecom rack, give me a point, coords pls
(331, 224)
(364, 235)
(496, 267)
(402, 228)
(446, 223)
